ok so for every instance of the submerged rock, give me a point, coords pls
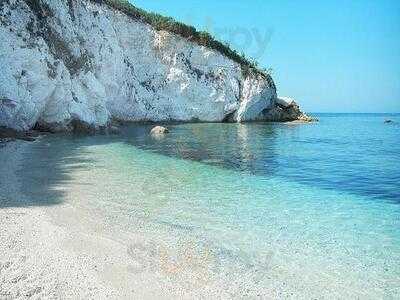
(114, 130)
(159, 130)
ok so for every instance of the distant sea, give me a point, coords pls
(302, 211)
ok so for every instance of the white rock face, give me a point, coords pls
(63, 61)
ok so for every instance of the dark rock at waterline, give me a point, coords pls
(27, 138)
(287, 110)
(80, 127)
(75, 126)
(48, 128)
(9, 134)
(114, 130)
(108, 130)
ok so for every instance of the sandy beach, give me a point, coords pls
(58, 252)
(35, 261)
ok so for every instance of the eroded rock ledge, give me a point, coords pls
(81, 64)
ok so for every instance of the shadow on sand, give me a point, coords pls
(44, 171)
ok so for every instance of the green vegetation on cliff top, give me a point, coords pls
(203, 38)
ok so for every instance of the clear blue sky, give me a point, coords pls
(332, 56)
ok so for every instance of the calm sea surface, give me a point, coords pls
(302, 211)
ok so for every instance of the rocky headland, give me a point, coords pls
(82, 65)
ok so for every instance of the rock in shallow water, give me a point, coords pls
(159, 130)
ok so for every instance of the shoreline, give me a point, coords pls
(61, 252)
(81, 220)
(38, 259)
(34, 262)
(8, 135)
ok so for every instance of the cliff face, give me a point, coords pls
(72, 61)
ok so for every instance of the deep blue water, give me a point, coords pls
(355, 153)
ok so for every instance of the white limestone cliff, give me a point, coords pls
(82, 61)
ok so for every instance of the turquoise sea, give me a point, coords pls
(296, 211)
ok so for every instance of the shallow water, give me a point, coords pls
(295, 211)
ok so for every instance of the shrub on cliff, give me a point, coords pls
(203, 38)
